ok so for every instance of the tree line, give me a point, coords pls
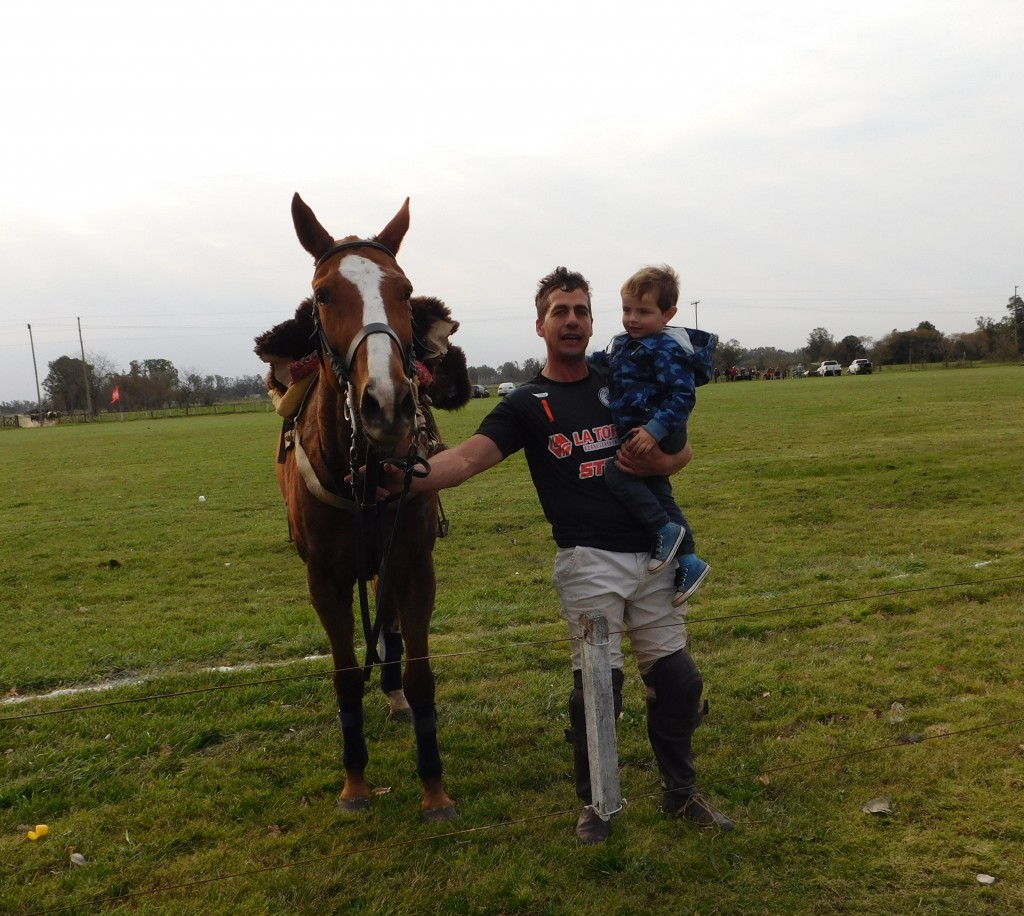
(999, 341)
(149, 384)
(153, 384)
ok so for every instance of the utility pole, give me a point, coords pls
(85, 374)
(35, 371)
(695, 304)
(1018, 316)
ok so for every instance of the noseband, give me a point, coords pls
(343, 370)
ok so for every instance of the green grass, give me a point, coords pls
(866, 543)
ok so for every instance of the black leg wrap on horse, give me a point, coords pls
(674, 711)
(576, 734)
(391, 667)
(428, 754)
(354, 754)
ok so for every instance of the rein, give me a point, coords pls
(365, 504)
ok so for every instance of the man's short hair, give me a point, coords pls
(561, 278)
(663, 281)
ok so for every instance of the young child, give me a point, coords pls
(655, 370)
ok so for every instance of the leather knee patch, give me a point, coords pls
(675, 677)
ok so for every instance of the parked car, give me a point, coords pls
(860, 367)
(479, 391)
(829, 367)
(506, 388)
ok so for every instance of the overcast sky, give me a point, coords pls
(852, 166)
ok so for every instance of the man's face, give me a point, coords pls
(567, 326)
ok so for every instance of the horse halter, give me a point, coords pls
(343, 370)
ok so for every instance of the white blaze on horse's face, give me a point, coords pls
(366, 276)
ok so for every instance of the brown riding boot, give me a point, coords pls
(698, 810)
(591, 829)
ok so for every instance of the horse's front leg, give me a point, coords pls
(391, 674)
(419, 690)
(333, 603)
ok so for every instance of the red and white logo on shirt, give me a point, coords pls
(559, 445)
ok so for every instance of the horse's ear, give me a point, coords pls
(393, 233)
(312, 236)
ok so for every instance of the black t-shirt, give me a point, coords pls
(566, 430)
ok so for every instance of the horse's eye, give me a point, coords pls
(322, 296)
(407, 293)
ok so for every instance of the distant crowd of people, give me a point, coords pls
(742, 373)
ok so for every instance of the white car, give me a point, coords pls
(829, 367)
(860, 367)
(506, 388)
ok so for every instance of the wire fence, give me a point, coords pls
(691, 622)
(819, 762)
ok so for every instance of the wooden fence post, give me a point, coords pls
(600, 713)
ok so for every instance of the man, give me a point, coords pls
(561, 420)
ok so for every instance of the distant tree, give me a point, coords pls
(103, 373)
(1015, 307)
(483, 375)
(767, 358)
(930, 343)
(247, 386)
(991, 330)
(925, 344)
(190, 385)
(848, 349)
(819, 345)
(970, 345)
(149, 384)
(510, 372)
(728, 354)
(531, 367)
(65, 384)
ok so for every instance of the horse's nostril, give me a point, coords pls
(408, 407)
(370, 409)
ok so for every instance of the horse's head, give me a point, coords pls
(361, 308)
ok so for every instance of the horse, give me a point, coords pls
(355, 374)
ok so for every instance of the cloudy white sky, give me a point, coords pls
(804, 163)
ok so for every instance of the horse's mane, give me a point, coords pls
(446, 379)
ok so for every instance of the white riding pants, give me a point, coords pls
(619, 587)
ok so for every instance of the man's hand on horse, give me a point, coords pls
(390, 484)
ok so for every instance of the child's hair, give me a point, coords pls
(663, 281)
(561, 278)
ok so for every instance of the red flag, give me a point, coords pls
(115, 395)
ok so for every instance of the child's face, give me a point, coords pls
(642, 317)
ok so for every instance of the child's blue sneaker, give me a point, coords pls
(691, 572)
(666, 543)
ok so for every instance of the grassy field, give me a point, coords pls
(859, 636)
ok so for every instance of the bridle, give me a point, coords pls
(343, 370)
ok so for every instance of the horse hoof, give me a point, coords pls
(354, 805)
(402, 715)
(399, 706)
(439, 815)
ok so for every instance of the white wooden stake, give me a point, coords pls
(600, 714)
